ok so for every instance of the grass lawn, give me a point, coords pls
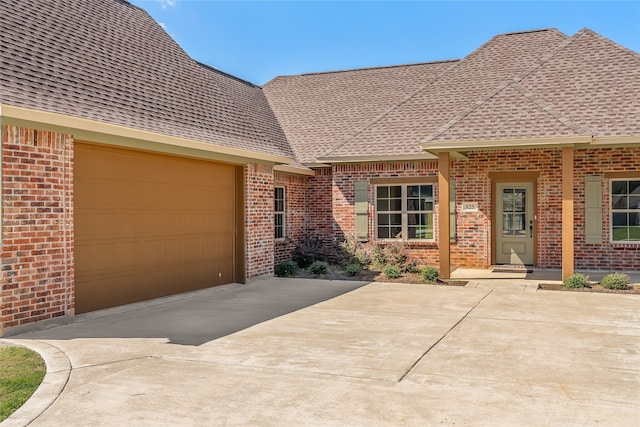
(21, 372)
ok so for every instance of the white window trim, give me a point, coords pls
(404, 212)
(283, 213)
(612, 211)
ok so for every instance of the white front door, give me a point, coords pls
(514, 223)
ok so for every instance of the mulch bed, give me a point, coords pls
(633, 289)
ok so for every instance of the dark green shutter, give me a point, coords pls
(452, 210)
(362, 210)
(592, 209)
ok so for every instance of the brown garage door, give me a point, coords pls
(149, 225)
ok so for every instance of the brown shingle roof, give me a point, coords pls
(504, 58)
(109, 61)
(594, 83)
(319, 111)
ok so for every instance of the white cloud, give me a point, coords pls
(168, 3)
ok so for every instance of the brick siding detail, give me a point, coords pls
(259, 257)
(295, 203)
(319, 209)
(37, 274)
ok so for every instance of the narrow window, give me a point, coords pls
(625, 210)
(404, 211)
(279, 204)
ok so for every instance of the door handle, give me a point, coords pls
(531, 228)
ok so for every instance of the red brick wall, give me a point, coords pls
(605, 256)
(259, 220)
(36, 279)
(295, 199)
(319, 208)
(473, 184)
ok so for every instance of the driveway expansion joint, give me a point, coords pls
(444, 336)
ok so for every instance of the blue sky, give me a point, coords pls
(259, 40)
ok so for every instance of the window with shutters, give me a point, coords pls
(625, 210)
(404, 211)
(279, 213)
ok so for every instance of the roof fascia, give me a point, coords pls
(95, 131)
(382, 158)
(615, 141)
(294, 170)
(506, 144)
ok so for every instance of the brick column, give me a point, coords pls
(36, 279)
(259, 220)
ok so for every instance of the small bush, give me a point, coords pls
(615, 281)
(318, 267)
(577, 281)
(353, 269)
(308, 251)
(392, 271)
(430, 274)
(286, 268)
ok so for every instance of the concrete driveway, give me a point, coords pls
(383, 354)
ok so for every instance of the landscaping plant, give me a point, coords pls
(392, 271)
(576, 281)
(353, 269)
(286, 268)
(318, 267)
(430, 274)
(615, 281)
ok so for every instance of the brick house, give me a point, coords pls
(131, 171)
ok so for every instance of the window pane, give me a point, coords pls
(634, 233)
(395, 219)
(620, 219)
(395, 191)
(413, 205)
(382, 192)
(383, 205)
(413, 191)
(417, 219)
(620, 234)
(395, 204)
(396, 232)
(519, 200)
(634, 187)
(634, 218)
(634, 202)
(619, 202)
(383, 233)
(383, 219)
(507, 200)
(619, 187)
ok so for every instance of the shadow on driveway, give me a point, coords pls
(197, 317)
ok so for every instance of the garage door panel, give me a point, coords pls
(149, 225)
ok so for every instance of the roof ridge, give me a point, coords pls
(501, 88)
(610, 42)
(224, 73)
(389, 110)
(448, 70)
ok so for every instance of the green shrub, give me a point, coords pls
(318, 267)
(286, 268)
(577, 281)
(392, 271)
(615, 281)
(430, 274)
(353, 269)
